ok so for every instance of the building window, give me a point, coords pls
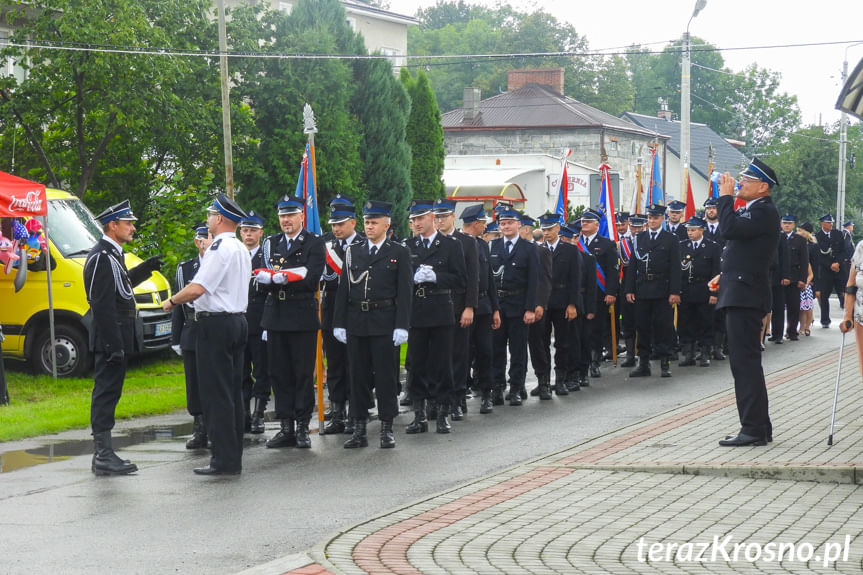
(352, 23)
(286, 7)
(394, 56)
(612, 146)
(10, 66)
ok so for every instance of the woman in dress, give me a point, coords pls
(807, 297)
(854, 302)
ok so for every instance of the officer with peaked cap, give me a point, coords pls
(438, 269)
(699, 263)
(626, 310)
(343, 223)
(540, 355)
(112, 336)
(464, 304)
(183, 339)
(256, 380)
(372, 317)
(797, 249)
(832, 274)
(579, 338)
(675, 223)
(621, 220)
(294, 260)
(711, 219)
(220, 291)
(653, 285)
(744, 292)
(487, 316)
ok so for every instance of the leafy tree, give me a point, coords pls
(425, 137)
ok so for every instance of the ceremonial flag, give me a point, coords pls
(656, 196)
(690, 201)
(306, 190)
(607, 226)
(563, 191)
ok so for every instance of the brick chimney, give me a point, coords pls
(664, 112)
(470, 105)
(550, 77)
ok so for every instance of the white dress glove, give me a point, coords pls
(400, 336)
(419, 275)
(431, 277)
(264, 335)
(340, 334)
(177, 350)
(264, 277)
(279, 278)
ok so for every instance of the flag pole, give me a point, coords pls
(310, 128)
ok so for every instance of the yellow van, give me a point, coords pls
(24, 315)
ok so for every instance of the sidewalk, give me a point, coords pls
(647, 498)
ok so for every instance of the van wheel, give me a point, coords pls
(70, 345)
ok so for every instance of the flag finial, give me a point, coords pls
(309, 125)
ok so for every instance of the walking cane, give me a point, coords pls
(836, 390)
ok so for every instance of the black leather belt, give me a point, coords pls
(284, 295)
(423, 291)
(651, 277)
(370, 305)
(481, 294)
(558, 286)
(506, 293)
(202, 314)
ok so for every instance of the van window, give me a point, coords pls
(71, 227)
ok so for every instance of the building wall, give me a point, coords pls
(623, 150)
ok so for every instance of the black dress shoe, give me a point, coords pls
(486, 406)
(742, 439)
(210, 470)
(515, 399)
(456, 413)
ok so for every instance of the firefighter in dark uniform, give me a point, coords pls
(797, 249)
(112, 336)
(539, 350)
(831, 274)
(464, 305)
(344, 233)
(608, 263)
(563, 303)
(438, 270)
(653, 285)
(516, 269)
(699, 263)
(256, 379)
(372, 316)
(711, 232)
(626, 309)
(580, 347)
(183, 327)
(487, 316)
(675, 223)
(295, 260)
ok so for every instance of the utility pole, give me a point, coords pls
(226, 100)
(843, 147)
(684, 100)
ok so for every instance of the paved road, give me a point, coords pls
(58, 517)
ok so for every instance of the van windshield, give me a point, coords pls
(72, 228)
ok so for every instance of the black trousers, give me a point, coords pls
(578, 350)
(220, 347)
(291, 356)
(430, 352)
(777, 316)
(831, 282)
(371, 368)
(555, 319)
(461, 337)
(627, 318)
(792, 308)
(108, 380)
(193, 391)
(539, 347)
(695, 323)
(338, 376)
(512, 335)
(743, 326)
(481, 349)
(599, 328)
(256, 381)
(654, 320)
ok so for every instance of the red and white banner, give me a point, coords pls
(20, 198)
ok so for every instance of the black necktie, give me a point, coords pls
(344, 243)
(290, 242)
(426, 243)
(652, 236)
(373, 251)
(694, 246)
(508, 246)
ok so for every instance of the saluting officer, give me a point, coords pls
(112, 337)
(798, 266)
(256, 379)
(487, 316)
(220, 291)
(675, 223)
(372, 315)
(653, 285)
(700, 259)
(608, 281)
(343, 223)
(464, 305)
(295, 261)
(831, 275)
(183, 340)
(438, 268)
(516, 269)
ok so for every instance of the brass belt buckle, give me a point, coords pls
(421, 291)
(281, 295)
(364, 306)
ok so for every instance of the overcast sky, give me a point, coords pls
(812, 73)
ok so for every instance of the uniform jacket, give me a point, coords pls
(516, 276)
(565, 277)
(679, 231)
(698, 266)
(798, 257)
(257, 297)
(383, 281)
(469, 295)
(109, 292)
(330, 279)
(655, 270)
(487, 302)
(716, 237)
(431, 305)
(293, 306)
(605, 252)
(543, 288)
(182, 316)
(779, 266)
(750, 242)
(588, 283)
(831, 248)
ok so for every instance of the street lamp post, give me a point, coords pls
(843, 146)
(684, 100)
(226, 100)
